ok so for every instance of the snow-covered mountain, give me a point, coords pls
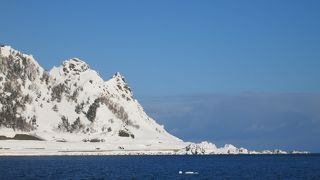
(70, 101)
(74, 111)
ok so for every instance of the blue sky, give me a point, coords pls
(208, 50)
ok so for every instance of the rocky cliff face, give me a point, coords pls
(72, 100)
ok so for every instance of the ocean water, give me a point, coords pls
(162, 167)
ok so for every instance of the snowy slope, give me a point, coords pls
(71, 102)
(76, 112)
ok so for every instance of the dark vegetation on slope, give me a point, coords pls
(17, 69)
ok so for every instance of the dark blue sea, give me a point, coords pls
(162, 167)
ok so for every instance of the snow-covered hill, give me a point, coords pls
(71, 102)
(74, 111)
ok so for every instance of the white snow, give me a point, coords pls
(76, 78)
(117, 110)
(5, 51)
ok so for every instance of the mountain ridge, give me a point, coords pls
(72, 85)
(71, 104)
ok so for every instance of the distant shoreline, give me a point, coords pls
(124, 153)
(39, 147)
(88, 155)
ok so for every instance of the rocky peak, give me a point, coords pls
(119, 77)
(74, 66)
(122, 84)
(16, 65)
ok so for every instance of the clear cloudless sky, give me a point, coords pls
(176, 47)
(173, 47)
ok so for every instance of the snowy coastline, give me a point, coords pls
(71, 110)
(45, 148)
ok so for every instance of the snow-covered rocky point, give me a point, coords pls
(71, 110)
